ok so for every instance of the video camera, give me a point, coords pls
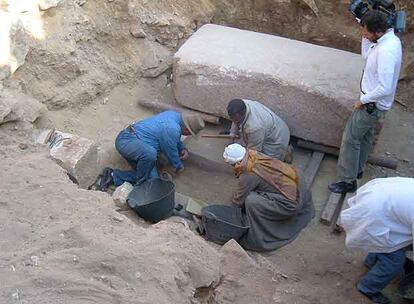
(396, 18)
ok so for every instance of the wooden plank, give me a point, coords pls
(160, 106)
(330, 207)
(338, 227)
(386, 162)
(312, 168)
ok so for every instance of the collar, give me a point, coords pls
(247, 113)
(388, 34)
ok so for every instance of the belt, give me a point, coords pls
(370, 107)
(131, 128)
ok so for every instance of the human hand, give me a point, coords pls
(358, 105)
(184, 154)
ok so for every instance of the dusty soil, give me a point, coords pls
(90, 71)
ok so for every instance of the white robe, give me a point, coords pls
(381, 216)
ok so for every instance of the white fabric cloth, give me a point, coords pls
(234, 153)
(381, 216)
(382, 69)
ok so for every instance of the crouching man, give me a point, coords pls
(141, 142)
(259, 127)
(380, 221)
(277, 207)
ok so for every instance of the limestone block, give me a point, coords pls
(77, 155)
(121, 193)
(312, 88)
(15, 105)
(46, 4)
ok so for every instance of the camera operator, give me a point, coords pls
(381, 51)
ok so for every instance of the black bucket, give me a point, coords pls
(153, 200)
(222, 223)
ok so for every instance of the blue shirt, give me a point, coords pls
(163, 132)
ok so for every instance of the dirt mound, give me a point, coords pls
(61, 244)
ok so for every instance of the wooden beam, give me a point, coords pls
(312, 168)
(386, 162)
(330, 207)
(159, 106)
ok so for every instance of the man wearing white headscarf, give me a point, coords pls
(276, 205)
(380, 221)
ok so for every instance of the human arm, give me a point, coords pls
(385, 71)
(365, 46)
(234, 132)
(247, 182)
(255, 139)
(169, 144)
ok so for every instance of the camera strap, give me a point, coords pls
(363, 70)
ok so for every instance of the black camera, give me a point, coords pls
(396, 18)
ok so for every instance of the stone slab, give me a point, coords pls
(312, 88)
(77, 155)
(120, 195)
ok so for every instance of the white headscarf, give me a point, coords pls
(234, 153)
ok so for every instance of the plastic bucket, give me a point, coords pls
(153, 200)
(223, 223)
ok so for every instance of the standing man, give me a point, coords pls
(260, 128)
(380, 221)
(142, 141)
(381, 50)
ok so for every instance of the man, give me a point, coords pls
(260, 128)
(142, 141)
(380, 221)
(277, 207)
(381, 50)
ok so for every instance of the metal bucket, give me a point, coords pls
(153, 200)
(221, 223)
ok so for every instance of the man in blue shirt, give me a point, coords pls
(142, 141)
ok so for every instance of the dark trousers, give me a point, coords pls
(384, 267)
(140, 156)
(356, 143)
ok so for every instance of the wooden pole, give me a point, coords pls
(159, 106)
(386, 162)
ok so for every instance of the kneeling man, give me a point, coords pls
(276, 205)
(141, 142)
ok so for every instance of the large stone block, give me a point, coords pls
(312, 88)
(77, 155)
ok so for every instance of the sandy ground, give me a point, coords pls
(61, 244)
(43, 214)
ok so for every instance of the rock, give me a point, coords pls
(23, 146)
(46, 4)
(137, 31)
(121, 193)
(15, 105)
(156, 60)
(295, 79)
(80, 2)
(14, 36)
(117, 219)
(77, 155)
(234, 258)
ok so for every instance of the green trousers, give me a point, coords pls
(356, 143)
